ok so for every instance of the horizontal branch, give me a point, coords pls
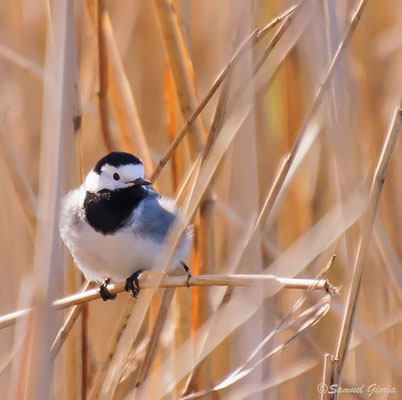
(181, 281)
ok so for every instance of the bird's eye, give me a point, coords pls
(116, 176)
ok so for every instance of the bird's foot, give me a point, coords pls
(188, 272)
(132, 285)
(104, 292)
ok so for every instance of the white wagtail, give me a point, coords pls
(115, 223)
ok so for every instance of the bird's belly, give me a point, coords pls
(114, 256)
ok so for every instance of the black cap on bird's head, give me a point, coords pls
(115, 171)
(116, 159)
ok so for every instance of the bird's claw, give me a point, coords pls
(132, 285)
(188, 272)
(104, 292)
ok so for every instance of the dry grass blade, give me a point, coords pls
(22, 62)
(247, 44)
(311, 317)
(7, 362)
(182, 69)
(150, 351)
(67, 326)
(226, 319)
(173, 121)
(19, 181)
(183, 73)
(223, 98)
(122, 101)
(271, 45)
(314, 315)
(326, 375)
(279, 34)
(369, 217)
(275, 39)
(389, 256)
(123, 340)
(218, 116)
(307, 365)
(241, 94)
(110, 352)
(56, 141)
(302, 320)
(288, 161)
(125, 110)
(102, 76)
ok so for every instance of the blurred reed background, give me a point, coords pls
(81, 78)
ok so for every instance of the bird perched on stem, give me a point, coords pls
(115, 223)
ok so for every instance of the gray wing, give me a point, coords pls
(154, 217)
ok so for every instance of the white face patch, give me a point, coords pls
(126, 174)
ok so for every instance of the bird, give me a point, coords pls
(115, 224)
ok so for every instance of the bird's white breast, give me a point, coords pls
(116, 256)
(100, 256)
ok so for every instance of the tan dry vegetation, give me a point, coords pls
(274, 127)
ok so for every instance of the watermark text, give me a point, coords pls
(371, 389)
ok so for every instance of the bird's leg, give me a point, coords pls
(104, 292)
(188, 272)
(132, 286)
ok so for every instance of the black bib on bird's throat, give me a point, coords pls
(107, 210)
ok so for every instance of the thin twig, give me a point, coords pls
(248, 43)
(263, 57)
(275, 39)
(288, 160)
(111, 350)
(67, 325)
(182, 69)
(369, 218)
(145, 366)
(181, 281)
(219, 113)
(24, 63)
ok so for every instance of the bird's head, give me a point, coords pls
(115, 171)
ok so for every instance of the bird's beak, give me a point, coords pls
(140, 182)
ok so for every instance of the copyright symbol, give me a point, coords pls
(322, 388)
